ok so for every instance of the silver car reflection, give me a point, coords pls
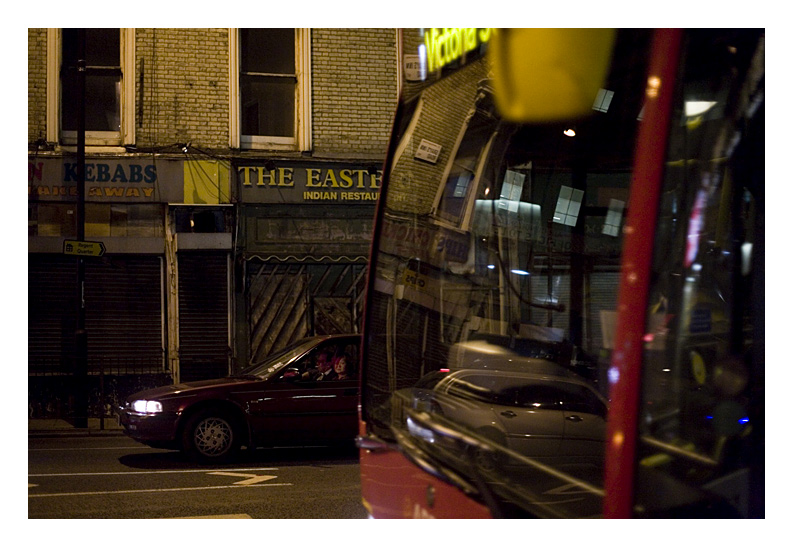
(536, 415)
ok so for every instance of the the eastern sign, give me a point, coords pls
(83, 249)
(290, 184)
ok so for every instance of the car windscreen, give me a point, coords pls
(265, 369)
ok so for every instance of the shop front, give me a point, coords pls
(134, 284)
(305, 231)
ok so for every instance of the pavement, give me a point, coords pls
(59, 427)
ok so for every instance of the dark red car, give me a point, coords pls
(306, 393)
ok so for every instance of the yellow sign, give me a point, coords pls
(445, 46)
(206, 182)
(84, 249)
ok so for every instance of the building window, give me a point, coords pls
(203, 219)
(52, 219)
(272, 82)
(471, 148)
(109, 96)
(124, 220)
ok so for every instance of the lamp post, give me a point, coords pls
(81, 338)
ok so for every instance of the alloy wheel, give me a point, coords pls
(213, 436)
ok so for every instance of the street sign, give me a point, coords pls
(84, 249)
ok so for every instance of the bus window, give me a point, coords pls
(498, 260)
(701, 366)
(491, 328)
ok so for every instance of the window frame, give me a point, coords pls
(301, 141)
(113, 139)
(463, 219)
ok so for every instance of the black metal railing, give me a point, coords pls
(53, 386)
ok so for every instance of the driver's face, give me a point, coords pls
(322, 362)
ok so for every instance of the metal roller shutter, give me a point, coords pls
(124, 313)
(52, 312)
(204, 350)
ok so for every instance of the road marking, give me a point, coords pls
(222, 516)
(142, 448)
(134, 491)
(149, 472)
(252, 478)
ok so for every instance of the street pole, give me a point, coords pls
(81, 338)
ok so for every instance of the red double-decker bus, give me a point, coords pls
(565, 308)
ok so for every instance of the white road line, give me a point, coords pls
(134, 491)
(75, 474)
(251, 478)
(219, 516)
(142, 448)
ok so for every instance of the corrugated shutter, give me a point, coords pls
(124, 316)
(52, 312)
(204, 350)
(124, 313)
(604, 296)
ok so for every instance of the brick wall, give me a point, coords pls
(354, 90)
(37, 84)
(182, 87)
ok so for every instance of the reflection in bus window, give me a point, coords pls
(477, 275)
(492, 303)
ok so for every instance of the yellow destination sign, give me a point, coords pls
(85, 249)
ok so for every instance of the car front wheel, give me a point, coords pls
(211, 436)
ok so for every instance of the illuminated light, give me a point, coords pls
(444, 370)
(487, 191)
(744, 420)
(491, 266)
(654, 83)
(603, 100)
(420, 431)
(447, 45)
(146, 406)
(618, 439)
(613, 374)
(520, 272)
(747, 255)
(423, 58)
(695, 108)
(570, 132)
(648, 337)
(697, 267)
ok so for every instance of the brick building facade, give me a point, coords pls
(230, 177)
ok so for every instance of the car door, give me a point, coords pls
(296, 407)
(585, 423)
(533, 419)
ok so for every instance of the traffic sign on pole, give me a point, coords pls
(83, 249)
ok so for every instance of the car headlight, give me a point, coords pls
(147, 406)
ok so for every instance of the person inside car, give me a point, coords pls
(322, 370)
(341, 368)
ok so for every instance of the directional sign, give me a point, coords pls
(84, 249)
